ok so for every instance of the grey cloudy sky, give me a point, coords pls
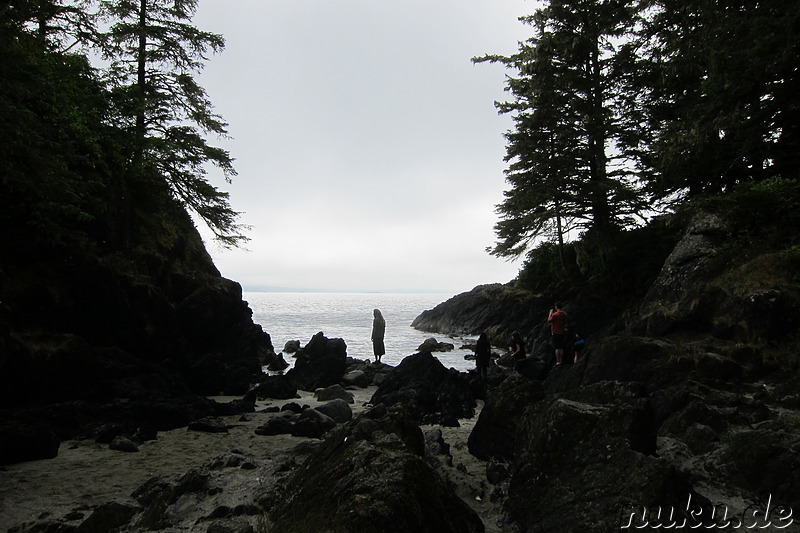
(369, 151)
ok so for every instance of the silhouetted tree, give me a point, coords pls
(154, 53)
(724, 93)
(569, 166)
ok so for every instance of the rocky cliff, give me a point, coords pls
(683, 411)
(85, 322)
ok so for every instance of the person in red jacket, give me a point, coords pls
(558, 330)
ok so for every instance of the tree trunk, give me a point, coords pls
(596, 132)
(560, 231)
(141, 79)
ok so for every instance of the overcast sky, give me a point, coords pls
(369, 150)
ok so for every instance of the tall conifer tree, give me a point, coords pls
(155, 53)
(567, 155)
(725, 85)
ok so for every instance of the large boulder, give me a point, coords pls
(334, 392)
(583, 457)
(339, 410)
(276, 425)
(432, 393)
(313, 424)
(494, 434)
(320, 363)
(356, 378)
(209, 425)
(371, 475)
(627, 358)
(432, 345)
(218, 324)
(291, 346)
(278, 387)
(376, 372)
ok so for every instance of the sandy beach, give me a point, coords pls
(86, 474)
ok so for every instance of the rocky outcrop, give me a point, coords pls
(307, 422)
(320, 363)
(334, 392)
(643, 423)
(582, 457)
(277, 387)
(698, 291)
(496, 309)
(432, 345)
(432, 393)
(111, 337)
(494, 434)
(373, 373)
(370, 475)
(500, 310)
(686, 402)
(116, 303)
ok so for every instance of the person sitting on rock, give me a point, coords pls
(517, 347)
(578, 344)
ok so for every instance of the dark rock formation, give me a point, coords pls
(339, 410)
(356, 378)
(138, 420)
(274, 362)
(496, 309)
(371, 475)
(312, 423)
(432, 393)
(682, 403)
(278, 387)
(375, 372)
(334, 392)
(307, 422)
(432, 345)
(697, 292)
(119, 300)
(211, 317)
(109, 517)
(209, 425)
(320, 363)
(277, 425)
(123, 444)
(581, 458)
(291, 347)
(26, 440)
(494, 434)
(294, 407)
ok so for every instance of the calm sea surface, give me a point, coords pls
(299, 315)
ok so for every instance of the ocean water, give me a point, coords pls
(300, 315)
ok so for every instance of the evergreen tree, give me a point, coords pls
(60, 25)
(154, 53)
(724, 86)
(568, 153)
(56, 150)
